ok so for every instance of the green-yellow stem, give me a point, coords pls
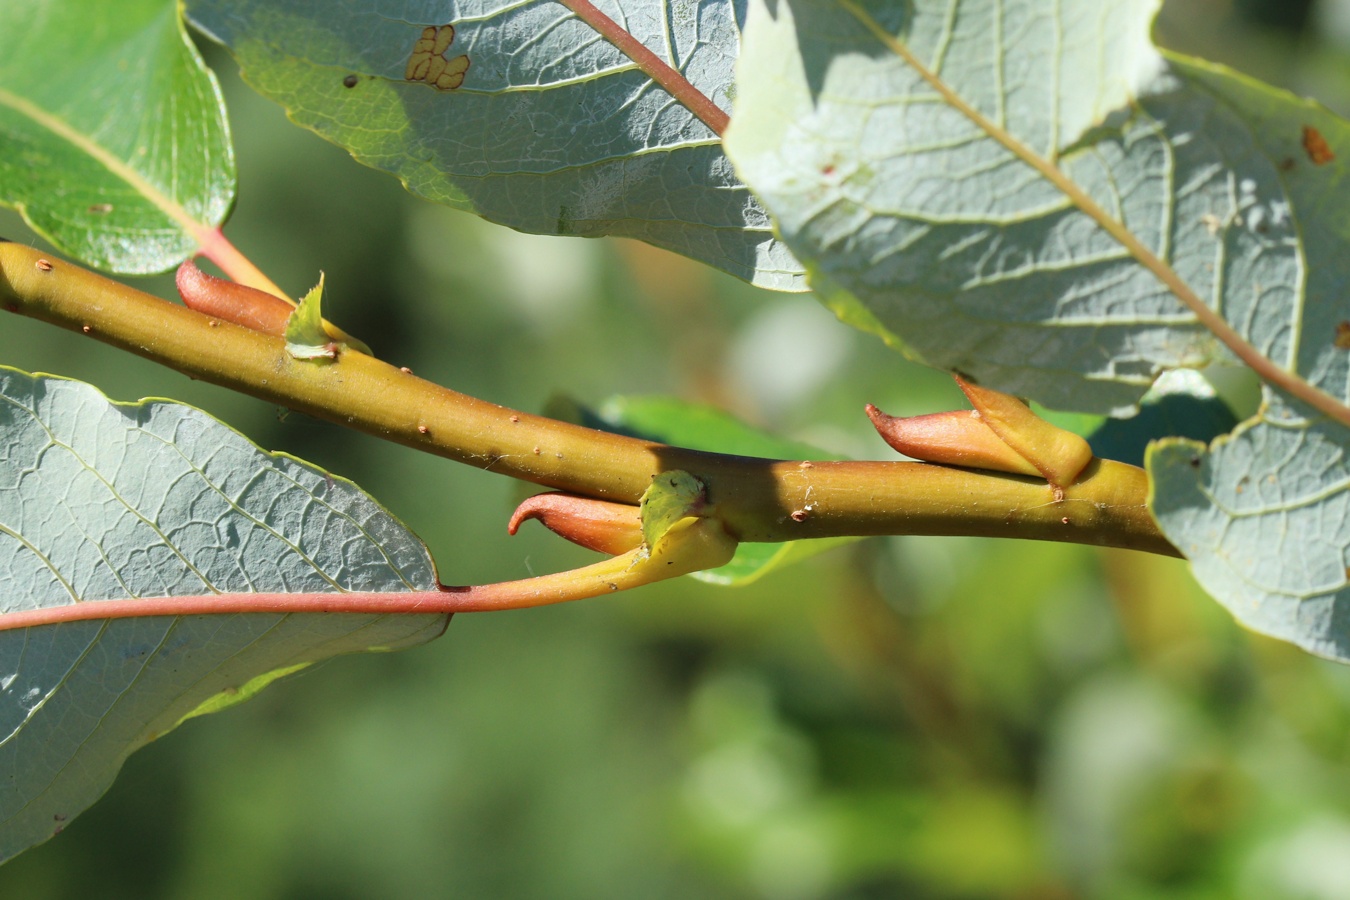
(757, 499)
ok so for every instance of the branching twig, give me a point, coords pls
(757, 499)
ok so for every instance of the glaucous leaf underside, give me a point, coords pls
(102, 501)
(545, 125)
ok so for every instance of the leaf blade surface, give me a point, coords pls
(1018, 194)
(101, 501)
(552, 131)
(1262, 513)
(113, 141)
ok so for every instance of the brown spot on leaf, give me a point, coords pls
(1316, 146)
(453, 76)
(350, 81)
(1343, 335)
(101, 209)
(435, 68)
(444, 37)
(429, 64)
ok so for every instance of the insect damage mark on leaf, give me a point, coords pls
(1316, 146)
(428, 63)
(1342, 339)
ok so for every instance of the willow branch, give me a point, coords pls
(756, 499)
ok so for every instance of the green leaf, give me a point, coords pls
(103, 501)
(113, 142)
(969, 178)
(699, 427)
(553, 130)
(306, 337)
(671, 496)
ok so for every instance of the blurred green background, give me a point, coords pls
(901, 718)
